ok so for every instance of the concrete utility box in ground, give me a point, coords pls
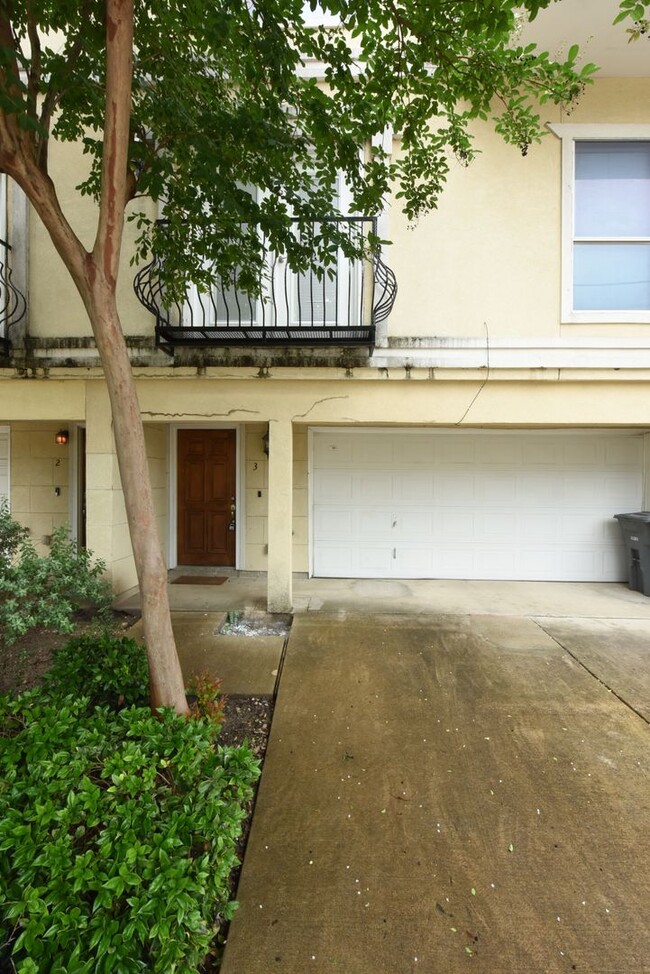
(636, 534)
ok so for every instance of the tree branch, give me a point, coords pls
(115, 186)
(52, 98)
(34, 78)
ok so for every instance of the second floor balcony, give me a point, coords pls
(340, 305)
(12, 302)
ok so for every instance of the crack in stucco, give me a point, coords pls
(317, 403)
(231, 412)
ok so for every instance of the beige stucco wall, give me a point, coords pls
(256, 469)
(157, 443)
(56, 310)
(521, 398)
(548, 399)
(38, 468)
(106, 528)
(489, 255)
(256, 482)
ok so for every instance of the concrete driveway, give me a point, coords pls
(448, 793)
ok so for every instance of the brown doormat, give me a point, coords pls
(200, 580)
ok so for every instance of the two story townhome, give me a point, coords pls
(473, 404)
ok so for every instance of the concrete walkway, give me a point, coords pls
(455, 792)
(595, 600)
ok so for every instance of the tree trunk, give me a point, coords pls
(166, 680)
(95, 276)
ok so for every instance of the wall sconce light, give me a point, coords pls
(265, 443)
(62, 438)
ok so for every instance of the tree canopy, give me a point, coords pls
(192, 104)
(232, 95)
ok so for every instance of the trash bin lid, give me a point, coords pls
(643, 516)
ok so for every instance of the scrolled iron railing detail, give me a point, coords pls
(12, 302)
(340, 307)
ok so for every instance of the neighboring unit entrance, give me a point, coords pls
(523, 505)
(206, 497)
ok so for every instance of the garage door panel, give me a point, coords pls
(497, 561)
(413, 559)
(496, 490)
(622, 453)
(500, 451)
(530, 506)
(583, 452)
(376, 450)
(589, 528)
(376, 561)
(414, 487)
(374, 525)
(332, 523)
(373, 486)
(455, 488)
(540, 562)
(451, 561)
(333, 485)
(334, 561)
(413, 524)
(495, 525)
(453, 525)
(613, 564)
(455, 449)
(415, 450)
(535, 488)
(543, 451)
(617, 490)
(332, 450)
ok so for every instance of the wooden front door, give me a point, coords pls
(206, 497)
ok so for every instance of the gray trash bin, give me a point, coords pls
(636, 534)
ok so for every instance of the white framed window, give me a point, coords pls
(289, 299)
(334, 298)
(605, 222)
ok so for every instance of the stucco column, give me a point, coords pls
(279, 581)
(107, 533)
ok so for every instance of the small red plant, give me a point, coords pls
(206, 699)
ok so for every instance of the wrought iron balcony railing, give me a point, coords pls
(340, 307)
(12, 302)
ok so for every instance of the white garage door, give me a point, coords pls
(406, 504)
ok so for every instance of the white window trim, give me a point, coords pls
(569, 135)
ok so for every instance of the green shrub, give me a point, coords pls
(117, 836)
(12, 535)
(43, 591)
(109, 670)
